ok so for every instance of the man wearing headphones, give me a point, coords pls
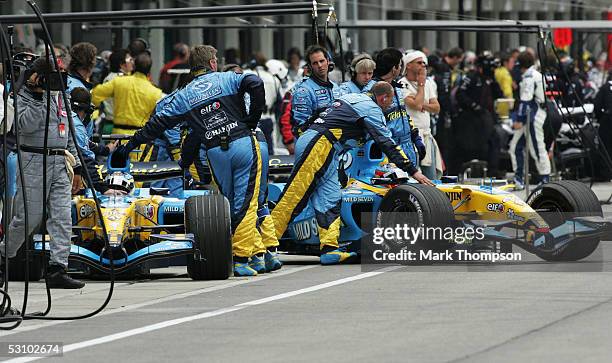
(362, 70)
(80, 103)
(388, 69)
(212, 104)
(315, 94)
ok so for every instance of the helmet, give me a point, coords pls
(488, 64)
(120, 181)
(277, 68)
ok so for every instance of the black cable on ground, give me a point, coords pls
(49, 44)
(7, 309)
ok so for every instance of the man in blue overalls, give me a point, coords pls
(213, 106)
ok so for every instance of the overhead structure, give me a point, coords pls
(287, 8)
(437, 25)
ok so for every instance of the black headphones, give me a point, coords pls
(82, 106)
(355, 62)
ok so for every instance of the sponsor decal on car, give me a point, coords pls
(305, 229)
(511, 214)
(146, 210)
(174, 208)
(495, 207)
(361, 199)
(453, 196)
(85, 211)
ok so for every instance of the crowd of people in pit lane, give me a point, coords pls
(429, 112)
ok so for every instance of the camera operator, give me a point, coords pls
(61, 159)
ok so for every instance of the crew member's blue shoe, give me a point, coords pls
(273, 263)
(518, 183)
(243, 269)
(337, 256)
(258, 264)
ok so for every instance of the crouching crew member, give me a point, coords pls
(212, 104)
(314, 177)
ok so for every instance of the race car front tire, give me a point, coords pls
(208, 218)
(574, 199)
(416, 205)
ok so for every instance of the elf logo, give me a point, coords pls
(210, 108)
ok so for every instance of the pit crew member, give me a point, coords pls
(314, 177)
(82, 109)
(361, 69)
(388, 69)
(213, 106)
(315, 93)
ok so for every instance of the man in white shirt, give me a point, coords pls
(272, 86)
(420, 95)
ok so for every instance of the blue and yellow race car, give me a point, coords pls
(560, 221)
(146, 224)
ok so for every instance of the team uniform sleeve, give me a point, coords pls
(374, 123)
(301, 105)
(82, 137)
(190, 149)
(169, 116)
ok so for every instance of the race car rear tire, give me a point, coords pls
(208, 218)
(17, 269)
(424, 206)
(572, 197)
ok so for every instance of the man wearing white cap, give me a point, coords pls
(420, 95)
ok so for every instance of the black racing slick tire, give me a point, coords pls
(416, 205)
(570, 198)
(208, 218)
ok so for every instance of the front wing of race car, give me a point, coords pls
(163, 246)
(545, 240)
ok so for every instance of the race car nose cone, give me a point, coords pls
(114, 239)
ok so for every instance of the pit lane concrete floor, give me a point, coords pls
(529, 312)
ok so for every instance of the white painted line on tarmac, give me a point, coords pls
(165, 299)
(210, 314)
